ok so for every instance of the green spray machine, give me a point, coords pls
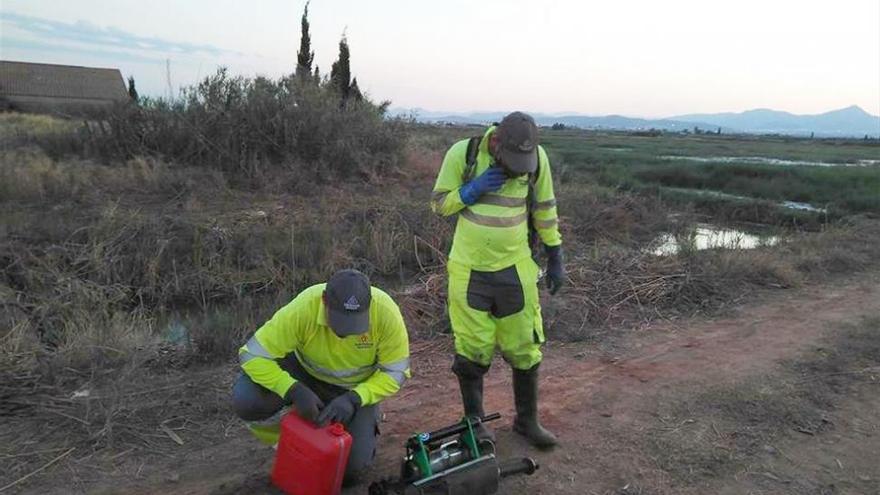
(452, 461)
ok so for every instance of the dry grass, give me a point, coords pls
(423, 305)
(16, 126)
(724, 429)
(147, 239)
(29, 175)
(135, 412)
(593, 214)
(85, 244)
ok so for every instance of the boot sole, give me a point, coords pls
(535, 443)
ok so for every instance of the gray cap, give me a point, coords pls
(347, 297)
(518, 140)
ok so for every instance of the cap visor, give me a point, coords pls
(346, 323)
(520, 163)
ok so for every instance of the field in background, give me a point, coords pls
(837, 177)
(118, 269)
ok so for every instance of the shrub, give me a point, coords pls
(248, 127)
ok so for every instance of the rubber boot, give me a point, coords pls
(470, 382)
(525, 395)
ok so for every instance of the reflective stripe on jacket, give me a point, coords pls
(374, 364)
(492, 234)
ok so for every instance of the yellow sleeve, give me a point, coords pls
(445, 199)
(277, 338)
(393, 358)
(544, 216)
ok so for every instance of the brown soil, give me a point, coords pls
(609, 406)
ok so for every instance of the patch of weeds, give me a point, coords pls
(721, 429)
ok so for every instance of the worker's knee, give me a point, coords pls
(357, 466)
(466, 369)
(251, 402)
(523, 360)
(520, 339)
(364, 429)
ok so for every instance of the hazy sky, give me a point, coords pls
(638, 58)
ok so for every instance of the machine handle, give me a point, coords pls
(524, 465)
(490, 417)
(449, 430)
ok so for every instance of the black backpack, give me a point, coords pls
(473, 149)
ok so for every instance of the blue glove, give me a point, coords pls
(555, 270)
(490, 180)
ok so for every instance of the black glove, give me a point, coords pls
(555, 270)
(341, 409)
(304, 401)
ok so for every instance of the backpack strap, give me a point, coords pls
(534, 238)
(470, 159)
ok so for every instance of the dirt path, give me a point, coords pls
(589, 398)
(618, 414)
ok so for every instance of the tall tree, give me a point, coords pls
(340, 72)
(132, 91)
(305, 56)
(354, 92)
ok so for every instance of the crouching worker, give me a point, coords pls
(332, 354)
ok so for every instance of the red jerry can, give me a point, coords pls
(310, 460)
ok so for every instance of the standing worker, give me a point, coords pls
(333, 353)
(502, 190)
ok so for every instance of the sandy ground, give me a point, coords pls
(607, 402)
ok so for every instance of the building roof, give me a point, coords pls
(61, 81)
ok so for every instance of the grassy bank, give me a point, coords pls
(106, 260)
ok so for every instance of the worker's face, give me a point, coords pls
(494, 150)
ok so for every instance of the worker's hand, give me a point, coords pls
(307, 404)
(490, 180)
(555, 270)
(341, 409)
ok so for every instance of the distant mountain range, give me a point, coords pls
(850, 121)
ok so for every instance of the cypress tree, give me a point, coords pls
(305, 56)
(132, 91)
(340, 72)
(354, 92)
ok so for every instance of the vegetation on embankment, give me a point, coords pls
(103, 258)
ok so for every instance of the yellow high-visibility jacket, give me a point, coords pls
(374, 364)
(492, 234)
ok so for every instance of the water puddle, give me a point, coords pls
(763, 160)
(801, 206)
(203, 328)
(707, 236)
(718, 194)
(176, 331)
